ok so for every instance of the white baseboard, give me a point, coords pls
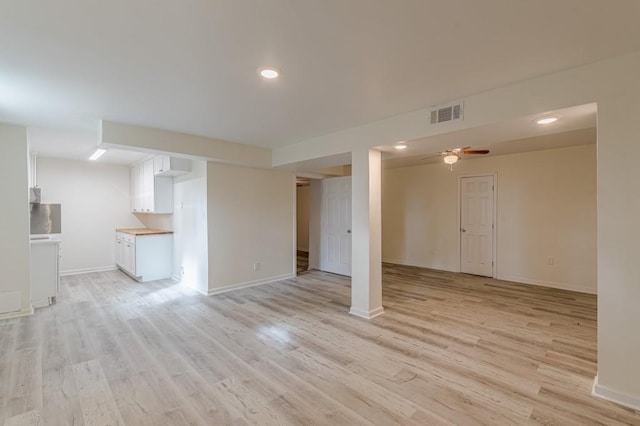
(552, 284)
(611, 395)
(180, 282)
(88, 270)
(17, 314)
(512, 278)
(367, 314)
(238, 286)
(418, 265)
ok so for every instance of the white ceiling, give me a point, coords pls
(576, 126)
(191, 66)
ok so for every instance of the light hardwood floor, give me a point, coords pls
(450, 349)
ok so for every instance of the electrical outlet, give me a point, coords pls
(550, 260)
(182, 271)
(256, 266)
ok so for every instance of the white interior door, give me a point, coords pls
(335, 240)
(476, 225)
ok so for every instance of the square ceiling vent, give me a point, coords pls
(448, 112)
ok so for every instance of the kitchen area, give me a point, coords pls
(89, 217)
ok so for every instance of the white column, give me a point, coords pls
(366, 226)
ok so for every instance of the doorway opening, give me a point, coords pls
(303, 190)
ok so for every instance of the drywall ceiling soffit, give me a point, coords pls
(192, 67)
(576, 126)
(320, 168)
(76, 145)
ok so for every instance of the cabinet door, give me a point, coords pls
(119, 250)
(148, 179)
(133, 180)
(129, 261)
(44, 273)
(138, 188)
(158, 164)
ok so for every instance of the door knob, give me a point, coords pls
(463, 230)
(348, 231)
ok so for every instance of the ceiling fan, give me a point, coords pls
(451, 156)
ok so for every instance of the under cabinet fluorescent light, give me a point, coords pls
(97, 154)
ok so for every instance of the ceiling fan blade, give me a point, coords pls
(475, 151)
(432, 156)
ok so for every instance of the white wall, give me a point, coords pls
(156, 221)
(95, 201)
(190, 245)
(251, 218)
(546, 207)
(302, 217)
(14, 223)
(618, 259)
(613, 85)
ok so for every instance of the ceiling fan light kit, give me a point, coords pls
(451, 158)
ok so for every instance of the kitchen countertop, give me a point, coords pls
(143, 231)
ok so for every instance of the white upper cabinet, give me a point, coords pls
(165, 165)
(137, 198)
(150, 193)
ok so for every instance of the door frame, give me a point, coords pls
(495, 219)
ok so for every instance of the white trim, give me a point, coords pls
(88, 270)
(611, 395)
(542, 283)
(17, 314)
(246, 284)
(510, 278)
(419, 265)
(185, 285)
(495, 219)
(367, 314)
(41, 303)
(294, 242)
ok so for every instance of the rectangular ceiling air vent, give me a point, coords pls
(448, 112)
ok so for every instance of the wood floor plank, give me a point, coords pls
(450, 349)
(30, 418)
(96, 400)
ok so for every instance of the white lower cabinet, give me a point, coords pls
(45, 272)
(145, 257)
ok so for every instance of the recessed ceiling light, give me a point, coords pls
(269, 72)
(547, 120)
(97, 154)
(400, 146)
